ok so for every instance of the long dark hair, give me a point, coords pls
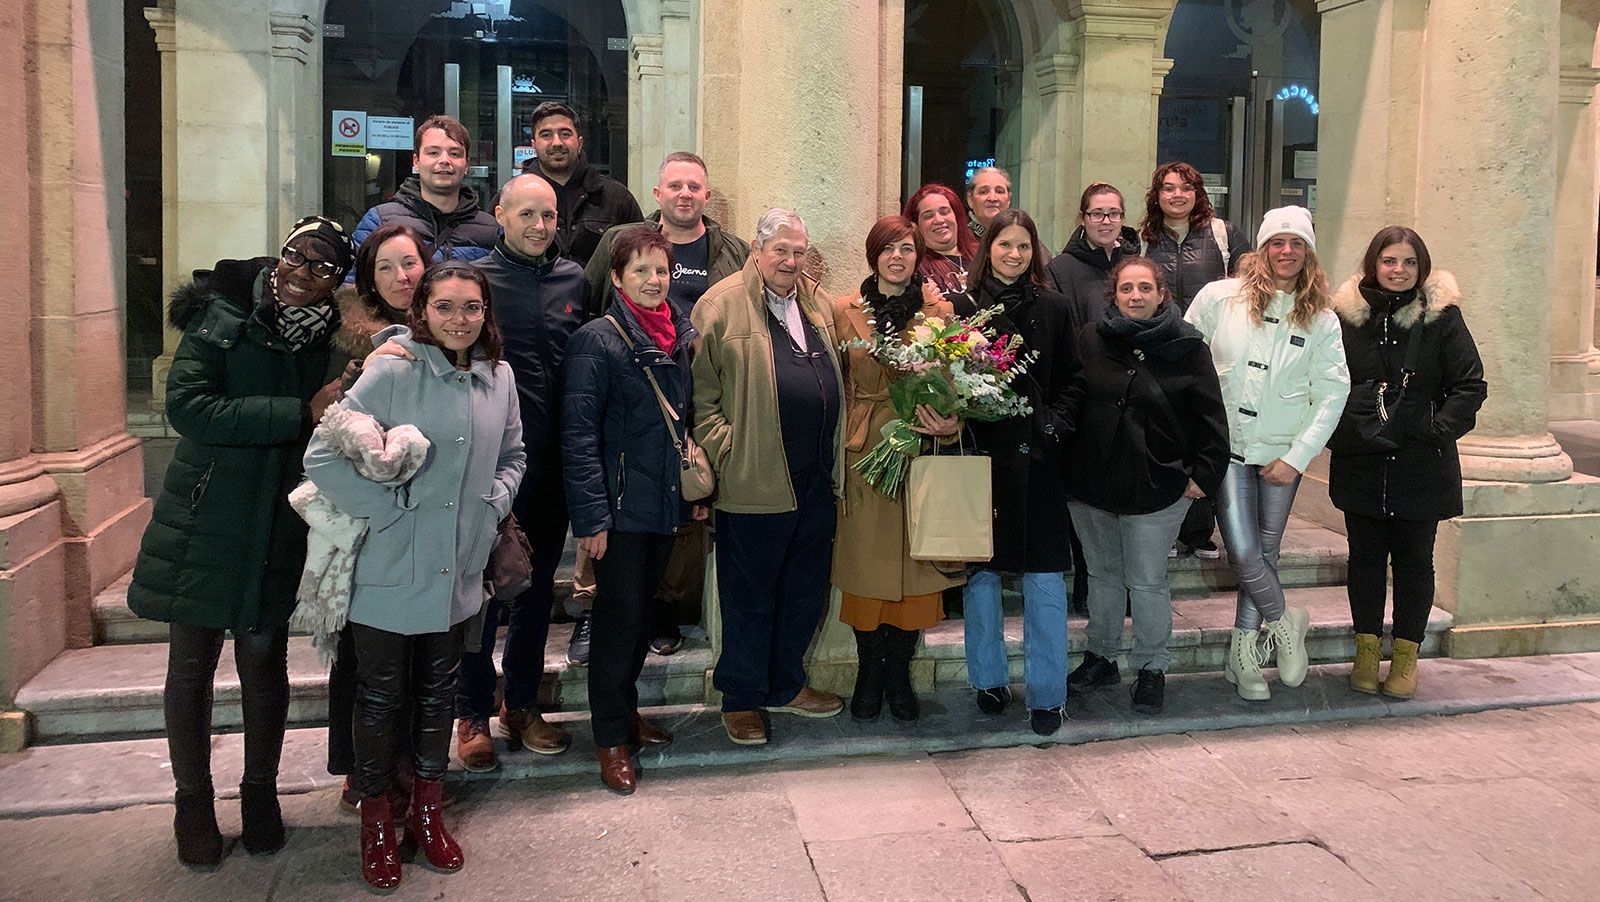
(488, 340)
(1155, 222)
(1395, 234)
(981, 267)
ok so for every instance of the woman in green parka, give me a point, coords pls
(224, 550)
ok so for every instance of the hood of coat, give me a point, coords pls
(358, 322)
(231, 281)
(1078, 246)
(1438, 293)
(410, 194)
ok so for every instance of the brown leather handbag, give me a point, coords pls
(510, 570)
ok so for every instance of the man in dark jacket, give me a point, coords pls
(702, 253)
(445, 212)
(587, 202)
(538, 302)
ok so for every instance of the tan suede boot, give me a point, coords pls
(1402, 679)
(1364, 671)
(1244, 666)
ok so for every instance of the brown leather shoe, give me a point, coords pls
(812, 703)
(617, 770)
(474, 745)
(530, 730)
(647, 733)
(745, 727)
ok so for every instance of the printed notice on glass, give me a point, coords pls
(348, 135)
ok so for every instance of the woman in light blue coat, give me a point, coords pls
(419, 572)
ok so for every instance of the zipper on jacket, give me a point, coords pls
(622, 477)
(199, 490)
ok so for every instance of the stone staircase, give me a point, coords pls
(113, 690)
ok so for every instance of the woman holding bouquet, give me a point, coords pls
(1030, 496)
(1149, 437)
(887, 605)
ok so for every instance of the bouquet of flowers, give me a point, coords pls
(952, 364)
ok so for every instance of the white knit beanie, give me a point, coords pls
(1287, 221)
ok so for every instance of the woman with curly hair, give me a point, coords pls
(1279, 357)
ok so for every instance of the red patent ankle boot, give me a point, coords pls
(426, 826)
(380, 863)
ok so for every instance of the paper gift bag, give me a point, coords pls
(950, 508)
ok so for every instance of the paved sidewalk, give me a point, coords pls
(1497, 805)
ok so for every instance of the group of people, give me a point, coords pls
(566, 365)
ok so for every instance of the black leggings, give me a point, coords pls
(392, 669)
(1375, 544)
(262, 660)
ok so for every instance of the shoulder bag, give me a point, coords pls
(1376, 402)
(696, 479)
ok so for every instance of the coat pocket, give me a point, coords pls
(485, 531)
(387, 556)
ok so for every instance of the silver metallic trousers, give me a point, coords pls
(1252, 514)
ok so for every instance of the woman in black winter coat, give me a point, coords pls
(623, 474)
(1081, 272)
(1194, 247)
(1030, 496)
(1394, 497)
(1149, 436)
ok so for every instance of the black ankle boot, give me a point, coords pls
(899, 649)
(262, 818)
(195, 827)
(866, 701)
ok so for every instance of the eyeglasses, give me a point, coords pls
(1104, 215)
(472, 310)
(319, 268)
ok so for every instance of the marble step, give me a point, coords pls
(114, 691)
(1312, 556)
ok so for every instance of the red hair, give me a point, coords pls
(934, 266)
(887, 231)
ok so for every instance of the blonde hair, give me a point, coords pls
(1259, 287)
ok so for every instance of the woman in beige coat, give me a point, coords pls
(887, 605)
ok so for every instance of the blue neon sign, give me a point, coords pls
(1300, 91)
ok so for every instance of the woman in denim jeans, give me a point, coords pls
(1149, 437)
(1280, 359)
(1030, 497)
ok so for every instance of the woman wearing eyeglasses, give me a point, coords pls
(223, 551)
(1183, 235)
(419, 571)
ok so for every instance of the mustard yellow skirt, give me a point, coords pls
(914, 612)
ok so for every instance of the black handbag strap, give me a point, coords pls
(1160, 396)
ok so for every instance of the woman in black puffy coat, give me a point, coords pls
(1149, 437)
(623, 479)
(1394, 497)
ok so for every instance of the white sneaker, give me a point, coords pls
(1243, 668)
(1288, 633)
(1172, 552)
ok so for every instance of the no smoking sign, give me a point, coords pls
(348, 136)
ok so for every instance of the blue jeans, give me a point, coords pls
(1253, 513)
(1044, 635)
(1127, 555)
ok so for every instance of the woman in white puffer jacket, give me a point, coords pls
(1280, 358)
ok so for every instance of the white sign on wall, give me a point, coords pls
(390, 132)
(348, 134)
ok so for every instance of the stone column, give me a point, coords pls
(292, 36)
(1051, 121)
(164, 22)
(646, 113)
(1574, 361)
(1487, 124)
(795, 113)
(72, 511)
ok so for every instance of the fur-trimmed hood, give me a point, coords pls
(358, 322)
(1438, 293)
(231, 280)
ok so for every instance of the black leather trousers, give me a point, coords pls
(392, 668)
(262, 660)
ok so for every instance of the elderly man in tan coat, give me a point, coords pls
(768, 400)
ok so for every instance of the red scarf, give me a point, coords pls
(656, 322)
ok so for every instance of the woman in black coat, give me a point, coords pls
(1394, 497)
(1149, 436)
(223, 551)
(1030, 496)
(623, 474)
